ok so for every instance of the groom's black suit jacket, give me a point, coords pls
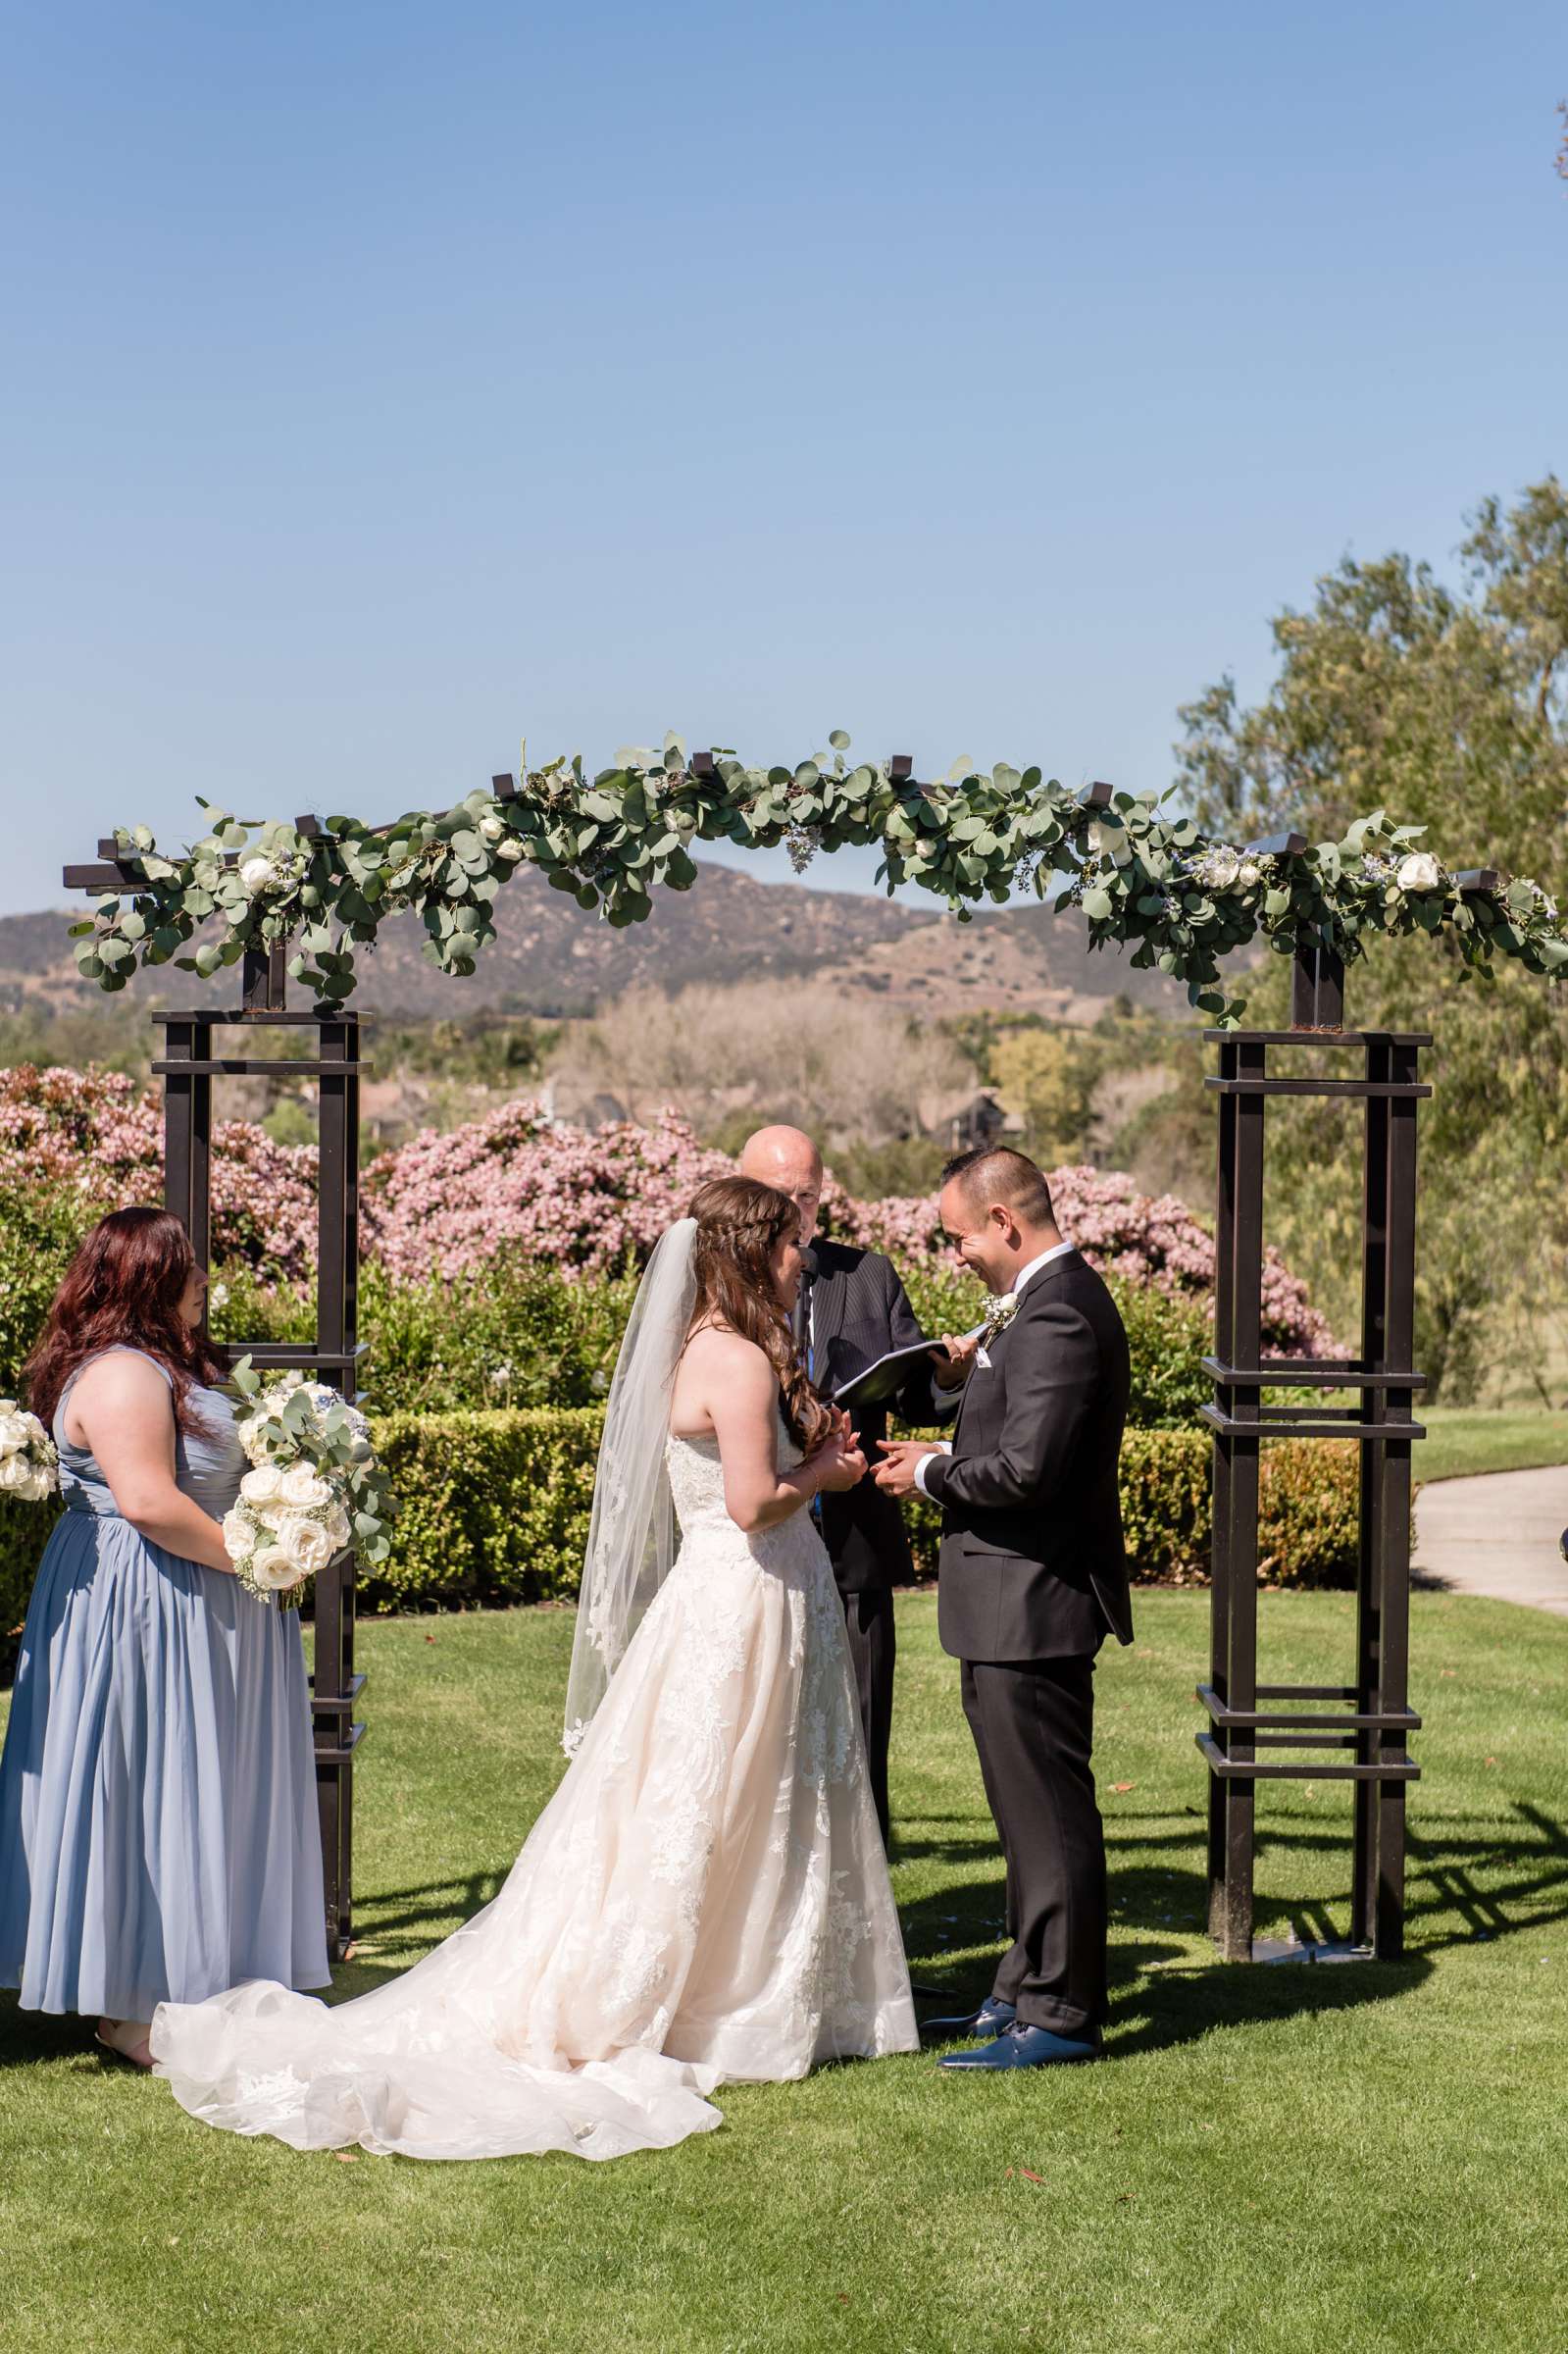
(1032, 1564)
(859, 1310)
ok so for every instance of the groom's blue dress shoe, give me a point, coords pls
(989, 2020)
(1021, 2046)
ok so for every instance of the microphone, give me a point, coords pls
(800, 1319)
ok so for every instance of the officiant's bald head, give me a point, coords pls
(786, 1159)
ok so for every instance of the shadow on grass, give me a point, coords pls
(1470, 1878)
(1527, 1877)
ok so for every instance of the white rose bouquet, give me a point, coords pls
(313, 1488)
(28, 1461)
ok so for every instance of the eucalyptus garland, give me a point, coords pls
(1142, 874)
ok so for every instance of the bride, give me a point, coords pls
(705, 1897)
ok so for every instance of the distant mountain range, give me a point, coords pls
(551, 959)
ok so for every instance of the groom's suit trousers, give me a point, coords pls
(1034, 1727)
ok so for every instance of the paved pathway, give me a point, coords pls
(1496, 1535)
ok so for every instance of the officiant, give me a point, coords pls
(853, 1309)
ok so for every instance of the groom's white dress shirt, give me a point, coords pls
(1026, 1275)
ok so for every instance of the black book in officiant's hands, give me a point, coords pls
(877, 1383)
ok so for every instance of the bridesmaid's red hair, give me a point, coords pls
(121, 1291)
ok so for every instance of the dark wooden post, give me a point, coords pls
(187, 1069)
(336, 1685)
(1225, 1398)
(188, 1126)
(1370, 1718)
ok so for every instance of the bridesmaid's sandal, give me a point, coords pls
(127, 2038)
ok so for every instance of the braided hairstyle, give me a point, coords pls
(740, 1223)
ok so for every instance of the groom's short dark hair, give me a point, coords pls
(999, 1175)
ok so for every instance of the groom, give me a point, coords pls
(1032, 1577)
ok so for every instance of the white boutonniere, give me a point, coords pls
(998, 1316)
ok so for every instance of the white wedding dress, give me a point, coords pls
(705, 1898)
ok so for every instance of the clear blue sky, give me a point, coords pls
(383, 383)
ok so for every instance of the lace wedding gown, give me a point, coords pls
(705, 1898)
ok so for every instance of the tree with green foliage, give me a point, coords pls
(1450, 704)
(1049, 1076)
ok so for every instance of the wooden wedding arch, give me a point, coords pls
(1257, 1732)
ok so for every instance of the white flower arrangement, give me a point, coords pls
(29, 1465)
(1223, 868)
(998, 1316)
(313, 1490)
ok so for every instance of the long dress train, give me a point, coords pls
(705, 1898)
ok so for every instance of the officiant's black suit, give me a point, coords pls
(1032, 1577)
(853, 1309)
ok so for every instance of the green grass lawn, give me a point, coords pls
(1273, 2159)
(1462, 1438)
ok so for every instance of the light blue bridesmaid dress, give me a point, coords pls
(159, 1839)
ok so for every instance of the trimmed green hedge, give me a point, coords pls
(23, 1533)
(493, 1508)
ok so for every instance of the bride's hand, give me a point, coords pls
(839, 1463)
(844, 1468)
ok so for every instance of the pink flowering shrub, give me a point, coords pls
(511, 1183)
(91, 1138)
(514, 1185)
(1120, 1231)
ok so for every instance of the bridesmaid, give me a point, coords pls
(158, 1829)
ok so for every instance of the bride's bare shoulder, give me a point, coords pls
(721, 1373)
(718, 1349)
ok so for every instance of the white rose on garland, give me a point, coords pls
(1420, 871)
(1220, 869)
